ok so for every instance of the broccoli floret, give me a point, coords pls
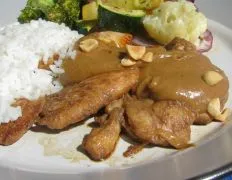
(35, 9)
(43, 5)
(59, 11)
(30, 13)
(72, 7)
(58, 15)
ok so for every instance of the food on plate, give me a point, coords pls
(124, 20)
(105, 58)
(179, 66)
(61, 11)
(78, 101)
(185, 76)
(88, 45)
(25, 79)
(180, 44)
(157, 19)
(90, 11)
(206, 42)
(140, 71)
(12, 131)
(147, 4)
(101, 141)
(161, 123)
(175, 19)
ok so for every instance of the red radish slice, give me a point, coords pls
(143, 42)
(206, 42)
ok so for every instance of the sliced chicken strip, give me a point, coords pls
(101, 142)
(77, 102)
(14, 130)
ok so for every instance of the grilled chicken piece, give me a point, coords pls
(79, 101)
(14, 130)
(101, 142)
(203, 119)
(161, 123)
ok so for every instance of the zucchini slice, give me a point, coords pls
(119, 19)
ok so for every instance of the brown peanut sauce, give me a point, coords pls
(179, 77)
(176, 77)
(86, 64)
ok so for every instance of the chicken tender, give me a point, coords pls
(14, 130)
(101, 142)
(161, 123)
(77, 102)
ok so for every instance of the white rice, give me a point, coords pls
(22, 46)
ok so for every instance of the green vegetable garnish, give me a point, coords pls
(58, 14)
(119, 19)
(29, 13)
(84, 26)
(59, 11)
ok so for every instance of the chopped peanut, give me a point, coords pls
(127, 62)
(224, 115)
(212, 77)
(214, 107)
(148, 57)
(136, 52)
(88, 45)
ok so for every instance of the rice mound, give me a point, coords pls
(22, 47)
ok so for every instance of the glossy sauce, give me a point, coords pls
(179, 77)
(106, 58)
(175, 75)
(102, 59)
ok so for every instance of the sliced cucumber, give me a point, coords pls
(119, 19)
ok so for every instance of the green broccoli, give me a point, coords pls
(35, 9)
(72, 7)
(59, 11)
(58, 14)
(29, 13)
(43, 5)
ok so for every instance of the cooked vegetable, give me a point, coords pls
(85, 26)
(59, 11)
(126, 4)
(43, 5)
(175, 19)
(29, 13)
(147, 4)
(119, 19)
(134, 4)
(35, 9)
(206, 42)
(89, 11)
(57, 14)
(72, 8)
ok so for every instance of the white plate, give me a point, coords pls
(25, 159)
